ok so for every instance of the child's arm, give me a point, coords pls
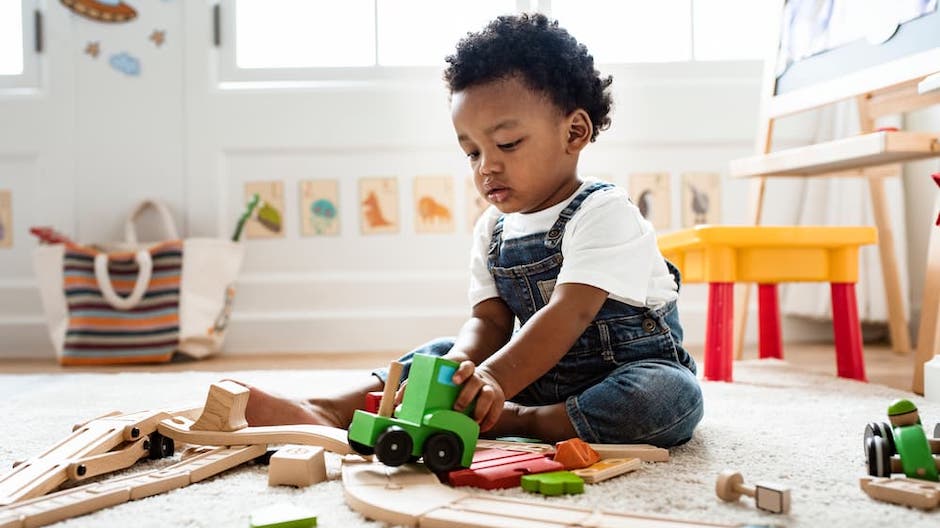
(538, 346)
(489, 327)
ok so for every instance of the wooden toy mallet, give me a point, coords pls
(768, 497)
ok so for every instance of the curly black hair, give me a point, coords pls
(546, 57)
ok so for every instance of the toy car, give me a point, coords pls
(424, 425)
(904, 437)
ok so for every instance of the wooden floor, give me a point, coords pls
(883, 366)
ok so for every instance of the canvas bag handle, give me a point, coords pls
(169, 226)
(145, 271)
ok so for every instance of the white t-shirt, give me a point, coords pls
(607, 244)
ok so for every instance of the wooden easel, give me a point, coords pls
(884, 89)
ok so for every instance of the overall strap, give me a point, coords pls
(553, 237)
(495, 240)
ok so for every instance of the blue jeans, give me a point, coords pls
(633, 384)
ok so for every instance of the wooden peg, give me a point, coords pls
(224, 409)
(391, 387)
(768, 497)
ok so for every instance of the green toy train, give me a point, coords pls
(902, 446)
(424, 425)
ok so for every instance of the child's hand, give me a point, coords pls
(400, 393)
(479, 383)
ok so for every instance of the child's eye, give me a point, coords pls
(510, 146)
(473, 155)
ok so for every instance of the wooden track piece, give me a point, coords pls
(46, 472)
(608, 469)
(377, 492)
(332, 439)
(84, 499)
(645, 452)
(296, 465)
(922, 494)
(85, 468)
(224, 409)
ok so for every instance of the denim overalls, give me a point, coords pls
(627, 378)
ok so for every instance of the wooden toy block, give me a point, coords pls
(915, 493)
(575, 454)
(770, 497)
(607, 469)
(224, 409)
(553, 483)
(332, 439)
(645, 452)
(297, 466)
(373, 400)
(501, 470)
(283, 516)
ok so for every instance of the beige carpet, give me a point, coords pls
(774, 423)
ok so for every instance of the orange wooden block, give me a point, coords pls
(575, 454)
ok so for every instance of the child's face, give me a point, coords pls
(519, 145)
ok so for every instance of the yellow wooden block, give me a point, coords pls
(767, 254)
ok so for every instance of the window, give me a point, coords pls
(365, 39)
(18, 58)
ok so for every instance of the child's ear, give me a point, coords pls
(579, 128)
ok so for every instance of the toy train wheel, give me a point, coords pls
(394, 446)
(883, 430)
(879, 459)
(360, 448)
(161, 446)
(442, 452)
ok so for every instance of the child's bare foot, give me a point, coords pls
(265, 408)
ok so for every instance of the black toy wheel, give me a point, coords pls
(883, 430)
(394, 446)
(879, 460)
(161, 446)
(442, 452)
(362, 449)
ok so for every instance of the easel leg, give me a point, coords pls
(897, 322)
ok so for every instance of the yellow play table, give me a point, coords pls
(722, 255)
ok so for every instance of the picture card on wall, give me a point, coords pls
(378, 202)
(434, 204)
(476, 204)
(652, 194)
(6, 218)
(701, 198)
(319, 207)
(268, 220)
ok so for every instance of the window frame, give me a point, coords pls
(28, 80)
(229, 76)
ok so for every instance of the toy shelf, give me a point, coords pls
(848, 155)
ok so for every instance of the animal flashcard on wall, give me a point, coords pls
(434, 204)
(476, 204)
(319, 207)
(378, 202)
(6, 219)
(267, 220)
(652, 194)
(701, 198)
(102, 10)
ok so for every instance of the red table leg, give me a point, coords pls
(719, 335)
(770, 342)
(848, 333)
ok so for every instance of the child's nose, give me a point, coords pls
(490, 164)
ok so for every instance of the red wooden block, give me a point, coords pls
(500, 468)
(373, 399)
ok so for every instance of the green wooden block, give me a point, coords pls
(553, 483)
(283, 516)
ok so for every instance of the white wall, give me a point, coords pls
(80, 152)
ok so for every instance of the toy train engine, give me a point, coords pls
(423, 425)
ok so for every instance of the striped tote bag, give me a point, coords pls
(138, 303)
